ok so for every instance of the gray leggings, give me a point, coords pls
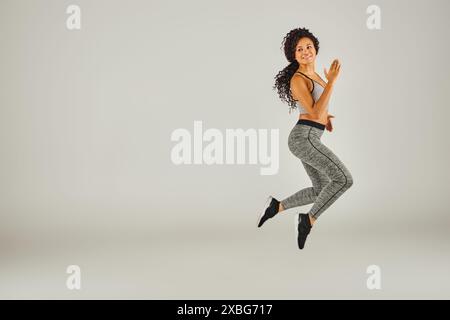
(330, 178)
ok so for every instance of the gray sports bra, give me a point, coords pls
(315, 92)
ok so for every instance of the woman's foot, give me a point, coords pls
(303, 226)
(271, 208)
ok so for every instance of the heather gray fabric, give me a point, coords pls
(330, 178)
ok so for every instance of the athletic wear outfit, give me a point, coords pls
(330, 178)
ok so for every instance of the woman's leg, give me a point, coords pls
(324, 160)
(307, 195)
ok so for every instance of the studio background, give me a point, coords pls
(87, 178)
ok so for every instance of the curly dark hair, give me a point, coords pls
(283, 78)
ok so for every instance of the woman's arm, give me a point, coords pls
(322, 102)
(329, 125)
(320, 106)
(301, 92)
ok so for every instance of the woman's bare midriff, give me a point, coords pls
(323, 119)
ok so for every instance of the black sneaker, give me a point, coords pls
(303, 226)
(269, 211)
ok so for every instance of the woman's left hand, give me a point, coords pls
(329, 125)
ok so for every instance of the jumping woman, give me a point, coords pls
(300, 86)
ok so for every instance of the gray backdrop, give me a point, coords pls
(87, 178)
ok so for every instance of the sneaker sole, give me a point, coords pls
(268, 201)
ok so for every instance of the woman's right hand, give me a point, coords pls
(334, 71)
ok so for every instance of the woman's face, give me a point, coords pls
(304, 51)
